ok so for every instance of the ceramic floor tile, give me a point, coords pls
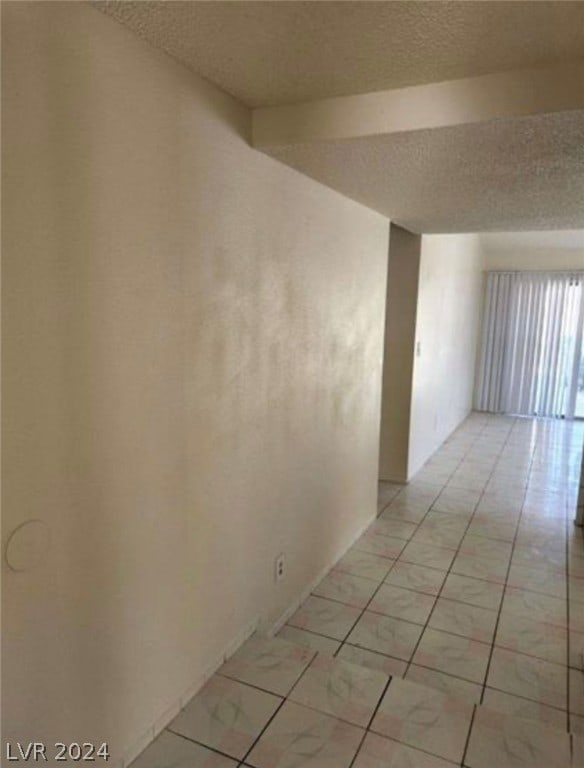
(490, 549)
(484, 594)
(387, 492)
(553, 560)
(325, 617)
(576, 566)
(424, 718)
(428, 555)
(577, 726)
(299, 737)
(463, 517)
(433, 536)
(402, 603)
(171, 751)
(499, 507)
(576, 650)
(576, 617)
(529, 677)
(462, 619)
(529, 536)
(419, 491)
(386, 635)
(525, 708)
(498, 740)
(533, 637)
(440, 521)
(467, 481)
(576, 590)
(516, 481)
(309, 639)
(346, 588)
(341, 689)
(453, 655)
(384, 546)
(364, 564)
(576, 691)
(407, 513)
(480, 568)
(544, 512)
(226, 715)
(577, 751)
(448, 684)
(372, 660)
(380, 752)
(416, 577)
(456, 500)
(493, 530)
(437, 476)
(512, 490)
(576, 541)
(392, 527)
(536, 579)
(524, 604)
(268, 663)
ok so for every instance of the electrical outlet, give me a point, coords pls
(280, 567)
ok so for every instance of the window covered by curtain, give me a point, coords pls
(532, 335)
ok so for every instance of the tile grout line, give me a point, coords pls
(278, 708)
(470, 726)
(344, 641)
(449, 570)
(568, 623)
(488, 667)
(382, 582)
(368, 726)
(202, 744)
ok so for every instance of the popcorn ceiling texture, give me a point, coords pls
(506, 174)
(502, 175)
(267, 53)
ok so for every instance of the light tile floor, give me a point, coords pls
(451, 633)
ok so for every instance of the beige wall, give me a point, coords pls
(447, 323)
(398, 358)
(553, 259)
(533, 250)
(192, 359)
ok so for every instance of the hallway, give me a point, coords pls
(467, 590)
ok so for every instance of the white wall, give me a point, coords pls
(533, 250)
(192, 359)
(447, 324)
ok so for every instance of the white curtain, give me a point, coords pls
(532, 335)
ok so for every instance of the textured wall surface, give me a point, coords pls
(447, 326)
(192, 370)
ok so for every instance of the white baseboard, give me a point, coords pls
(271, 631)
(140, 743)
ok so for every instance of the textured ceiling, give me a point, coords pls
(503, 175)
(268, 53)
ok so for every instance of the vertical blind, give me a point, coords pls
(532, 335)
